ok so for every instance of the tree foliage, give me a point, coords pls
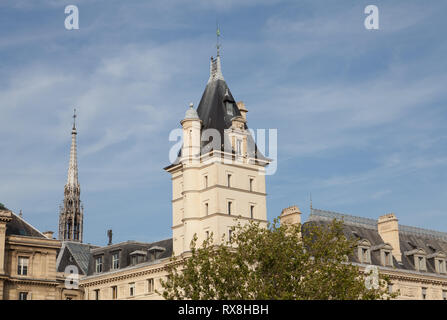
(273, 262)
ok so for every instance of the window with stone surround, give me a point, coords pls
(150, 285)
(114, 292)
(132, 289)
(115, 260)
(98, 264)
(23, 295)
(22, 266)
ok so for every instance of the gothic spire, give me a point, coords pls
(72, 178)
(72, 212)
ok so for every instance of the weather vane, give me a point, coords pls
(217, 37)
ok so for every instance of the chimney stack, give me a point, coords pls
(242, 109)
(388, 228)
(109, 234)
(48, 234)
(291, 215)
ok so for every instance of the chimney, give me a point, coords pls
(109, 234)
(291, 215)
(388, 228)
(242, 109)
(48, 234)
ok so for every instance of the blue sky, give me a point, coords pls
(360, 114)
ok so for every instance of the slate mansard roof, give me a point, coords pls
(74, 253)
(216, 110)
(19, 227)
(410, 237)
(125, 250)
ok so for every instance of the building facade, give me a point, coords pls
(413, 258)
(27, 261)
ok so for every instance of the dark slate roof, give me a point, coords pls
(214, 114)
(74, 253)
(365, 228)
(19, 227)
(125, 249)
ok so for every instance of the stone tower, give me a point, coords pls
(219, 174)
(71, 212)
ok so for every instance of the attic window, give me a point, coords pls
(229, 107)
(364, 252)
(420, 264)
(387, 258)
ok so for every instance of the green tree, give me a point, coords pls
(277, 262)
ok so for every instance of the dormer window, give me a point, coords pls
(421, 262)
(137, 257)
(115, 260)
(441, 268)
(438, 260)
(419, 259)
(239, 147)
(98, 264)
(386, 256)
(364, 252)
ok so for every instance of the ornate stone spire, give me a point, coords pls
(72, 177)
(71, 214)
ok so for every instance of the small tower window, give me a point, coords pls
(424, 293)
(252, 211)
(239, 147)
(229, 207)
(205, 181)
(206, 209)
(251, 184)
(229, 180)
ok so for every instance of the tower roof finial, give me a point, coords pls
(217, 39)
(74, 119)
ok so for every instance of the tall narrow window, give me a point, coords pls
(441, 266)
(229, 180)
(206, 208)
(22, 266)
(251, 184)
(229, 207)
(252, 211)
(150, 285)
(205, 181)
(424, 293)
(207, 233)
(98, 266)
(390, 288)
(115, 261)
(132, 289)
(444, 294)
(96, 294)
(114, 292)
(23, 296)
(230, 234)
(239, 147)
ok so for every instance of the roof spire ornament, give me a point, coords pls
(74, 119)
(215, 68)
(217, 39)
